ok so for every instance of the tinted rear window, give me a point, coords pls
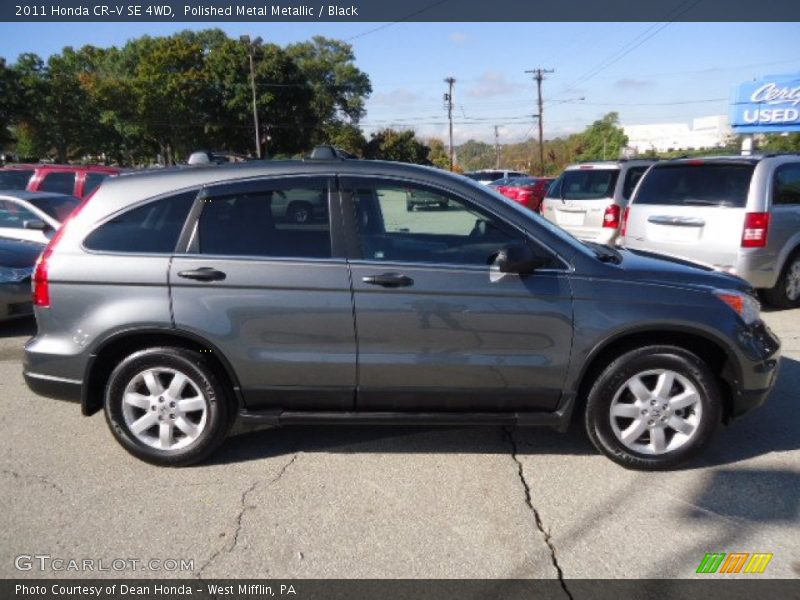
(585, 184)
(705, 184)
(92, 181)
(15, 179)
(57, 207)
(61, 182)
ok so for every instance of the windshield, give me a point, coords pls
(700, 184)
(15, 179)
(57, 207)
(585, 184)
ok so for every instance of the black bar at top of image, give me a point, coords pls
(394, 10)
(708, 588)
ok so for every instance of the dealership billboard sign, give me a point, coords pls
(767, 105)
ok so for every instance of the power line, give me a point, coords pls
(406, 18)
(448, 98)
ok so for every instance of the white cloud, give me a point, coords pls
(458, 37)
(493, 83)
(396, 97)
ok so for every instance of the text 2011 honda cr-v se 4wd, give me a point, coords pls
(177, 301)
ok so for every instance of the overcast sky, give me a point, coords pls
(648, 72)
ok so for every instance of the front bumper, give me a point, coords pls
(758, 368)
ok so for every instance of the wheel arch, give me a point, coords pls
(717, 354)
(108, 354)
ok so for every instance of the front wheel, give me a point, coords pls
(653, 408)
(165, 406)
(786, 293)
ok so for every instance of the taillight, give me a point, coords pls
(41, 278)
(756, 228)
(611, 216)
(625, 220)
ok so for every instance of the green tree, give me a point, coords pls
(776, 142)
(340, 88)
(9, 102)
(602, 140)
(400, 146)
(438, 154)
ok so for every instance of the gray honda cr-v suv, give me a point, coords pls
(178, 301)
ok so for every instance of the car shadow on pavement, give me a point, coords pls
(18, 327)
(774, 427)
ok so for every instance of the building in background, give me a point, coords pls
(704, 132)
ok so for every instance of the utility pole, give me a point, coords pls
(538, 75)
(448, 98)
(496, 146)
(245, 39)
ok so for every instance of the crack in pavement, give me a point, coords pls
(228, 548)
(37, 478)
(536, 517)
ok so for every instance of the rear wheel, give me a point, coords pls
(165, 406)
(786, 293)
(653, 408)
(300, 212)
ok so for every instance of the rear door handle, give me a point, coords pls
(203, 274)
(389, 280)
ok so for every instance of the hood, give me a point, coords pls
(658, 268)
(19, 254)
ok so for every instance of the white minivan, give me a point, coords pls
(588, 199)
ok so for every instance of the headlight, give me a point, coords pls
(747, 307)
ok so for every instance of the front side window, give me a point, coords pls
(60, 182)
(787, 185)
(286, 219)
(458, 234)
(14, 216)
(151, 229)
(57, 207)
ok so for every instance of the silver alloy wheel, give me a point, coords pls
(301, 215)
(656, 412)
(164, 409)
(793, 280)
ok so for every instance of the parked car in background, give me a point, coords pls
(737, 214)
(528, 191)
(588, 199)
(177, 303)
(487, 176)
(17, 260)
(71, 180)
(33, 216)
(504, 181)
(417, 198)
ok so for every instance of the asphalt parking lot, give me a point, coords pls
(395, 502)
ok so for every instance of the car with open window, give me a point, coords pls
(176, 303)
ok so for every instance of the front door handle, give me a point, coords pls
(389, 280)
(203, 274)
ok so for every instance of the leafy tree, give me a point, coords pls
(9, 101)
(781, 143)
(438, 154)
(604, 139)
(340, 88)
(401, 146)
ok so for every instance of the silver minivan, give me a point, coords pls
(588, 199)
(737, 214)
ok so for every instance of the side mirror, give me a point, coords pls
(36, 225)
(519, 258)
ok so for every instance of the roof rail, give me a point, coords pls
(329, 152)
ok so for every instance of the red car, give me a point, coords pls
(72, 180)
(528, 191)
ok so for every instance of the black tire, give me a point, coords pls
(778, 296)
(613, 379)
(300, 213)
(444, 205)
(215, 423)
(410, 206)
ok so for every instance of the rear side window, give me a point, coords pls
(92, 181)
(151, 229)
(585, 184)
(705, 184)
(281, 219)
(15, 179)
(787, 185)
(632, 177)
(58, 182)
